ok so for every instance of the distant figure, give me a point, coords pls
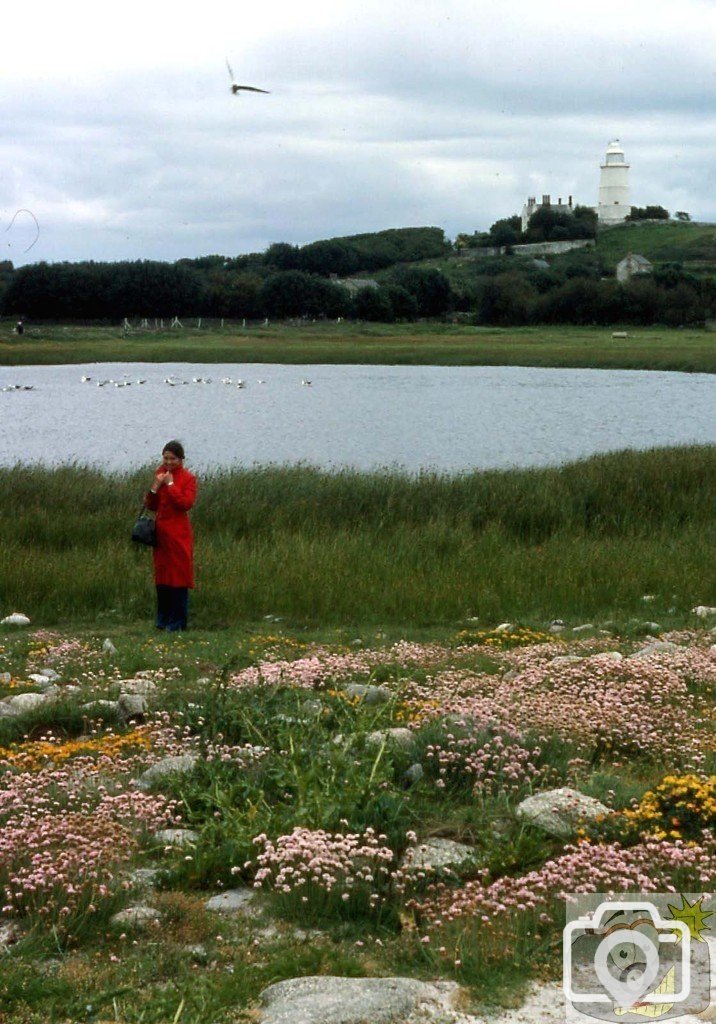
(172, 494)
(235, 88)
(20, 327)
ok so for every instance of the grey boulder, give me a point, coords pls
(233, 901)
(560, 812)
(181, 764)
(439, 855)
(332, 1000)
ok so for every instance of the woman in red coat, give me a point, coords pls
(172, 494)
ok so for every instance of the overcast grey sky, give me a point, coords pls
(120, 133)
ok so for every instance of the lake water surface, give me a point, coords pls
(412, 417)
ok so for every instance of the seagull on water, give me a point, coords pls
(236, 88)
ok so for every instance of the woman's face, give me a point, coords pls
(170, 461)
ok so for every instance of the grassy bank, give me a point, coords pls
(409, 344)
(581, 541)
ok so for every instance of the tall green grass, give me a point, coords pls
(583, 540)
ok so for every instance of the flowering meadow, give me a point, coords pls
(359, 797)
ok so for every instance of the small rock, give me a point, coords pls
(653, 627)
(560, 812)
(587, 627)
(108, 647)
(9, 934)
(5, 677)
(654, 648)
(233, 901)
(557, 626)
(504, 627)
(612, 655)
(357, 642)
(16, 619)
(140, 687)
(181, 764)
(95, 706)
(313, 707)
(370, 695)
(144, 878)
(43, 682)
(565, 659)
(131, 705)
(703, 611)
(402, 738)
(176, 837)
(140, 917)
(649, 597)
(49, 673)
(436, 855)
(414, 774)
(198, 953)
(22, 702)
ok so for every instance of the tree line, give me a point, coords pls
(507, 290)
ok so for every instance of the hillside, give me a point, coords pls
(664, 242)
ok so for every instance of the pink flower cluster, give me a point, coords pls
(310, 862)
(650, 866)
(496, 765)
(640, 706)
(63, 835)
(323, 667)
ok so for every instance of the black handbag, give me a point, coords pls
(144, 530)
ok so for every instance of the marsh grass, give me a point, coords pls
(585, 540)
(427, 343)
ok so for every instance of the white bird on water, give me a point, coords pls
(236, 88)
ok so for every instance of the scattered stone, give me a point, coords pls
(414, 774)
(653, 627)
(22, 702)
(703, 611)
(313, 706)
(504, 627)
(612, 655)
(560, 812)
(5, 677)
(176, 837)
(144, 878)
(141, 917)
(108, 647)
(439, 855)
(49, 673)
(357, 642)
(140, 687)
(565, 659)
(402, 738)
(94, 706)
(16, 619)
(198, 953)
(655, 647)
(9, 934)
(131, 705)
(370, 695)
(41, 681)
(332, 1000)
(649, 597)
(181, 764)
(557, 626)
(587, 627)
(233, 901)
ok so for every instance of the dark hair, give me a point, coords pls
(175, 447)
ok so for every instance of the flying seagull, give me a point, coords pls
(236, 88)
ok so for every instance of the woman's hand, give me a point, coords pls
(160, 477)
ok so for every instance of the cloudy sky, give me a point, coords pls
(120, 134)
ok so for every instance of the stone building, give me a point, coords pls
(631, 265)
(532, 206)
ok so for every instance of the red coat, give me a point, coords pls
(174, 553)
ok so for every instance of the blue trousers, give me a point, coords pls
(172, 607)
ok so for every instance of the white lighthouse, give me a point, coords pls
(614, 206)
